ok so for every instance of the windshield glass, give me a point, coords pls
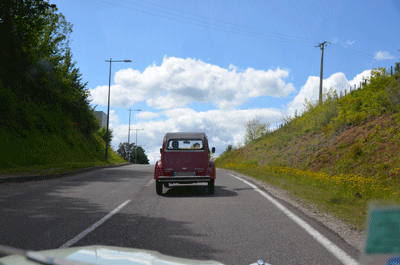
(181, 144)
(227, 130)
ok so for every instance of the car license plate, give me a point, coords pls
(185, 173)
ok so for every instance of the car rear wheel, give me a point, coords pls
(211, 186)
(158, 187)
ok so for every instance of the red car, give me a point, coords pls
(185, 158)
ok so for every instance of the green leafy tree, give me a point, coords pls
(103, 132)
(254, 130)
(141, 156)
(229, 148)
(21, 22)
(36, 67)
(126, 151)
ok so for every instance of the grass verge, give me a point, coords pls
(42, 154)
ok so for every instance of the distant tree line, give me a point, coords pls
(128, 153)
(41, 89)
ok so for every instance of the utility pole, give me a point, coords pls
(129, 129)
(321, 45)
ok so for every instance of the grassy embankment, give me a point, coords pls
(339, 156)
(40, 153)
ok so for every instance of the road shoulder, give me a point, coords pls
(352, 237)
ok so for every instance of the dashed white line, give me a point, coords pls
(335, 250)
(94, 226)
(151, 182)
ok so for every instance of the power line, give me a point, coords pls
(216, 27)
(239, 29)
(217, 20)
(356, 53)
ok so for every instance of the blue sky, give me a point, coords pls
(212, 65)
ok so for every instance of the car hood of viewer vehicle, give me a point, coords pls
(102, 255)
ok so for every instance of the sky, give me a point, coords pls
(212, 65)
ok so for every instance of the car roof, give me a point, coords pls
(185, 135)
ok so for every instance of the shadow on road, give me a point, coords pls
(196, 191)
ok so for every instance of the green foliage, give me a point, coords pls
(125, 151)
(374, 99)
(380, 96)
(53, 150)
(397, 67)
(254, 130)
(315, 117)
(45, 113)
(103, 132)
(141, 156)
(36, 68)
(21, 22)
(229, 148)
(392, 94)
(251, 163)
(356, 151)
(227, 151)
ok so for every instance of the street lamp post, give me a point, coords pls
(108, 109)
(136, 145)
(128, 145)
(129, 130)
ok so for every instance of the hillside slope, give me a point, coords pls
(338, 156)
(41, 153)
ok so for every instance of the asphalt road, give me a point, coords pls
(239, 224)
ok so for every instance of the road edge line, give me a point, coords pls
(331, 247)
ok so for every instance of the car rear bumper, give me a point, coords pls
(184, 179)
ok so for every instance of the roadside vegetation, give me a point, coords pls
(46, 123)
(339, 156)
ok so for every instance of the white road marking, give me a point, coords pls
(151, 182)
(90, 229)
(335, 250)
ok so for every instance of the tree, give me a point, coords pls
(126, 151)
(103, 131)
(141, 156)
(254, 130)
(21, 22)
(229, 148)
(397, 68)
(36, 67)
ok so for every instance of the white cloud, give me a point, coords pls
(381, 55)
(113, 117)
(223, 127)
(349, 43)
(360, 78)
(178, 82)
(310, 90)
(146, 115)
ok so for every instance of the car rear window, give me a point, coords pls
(182, 144)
